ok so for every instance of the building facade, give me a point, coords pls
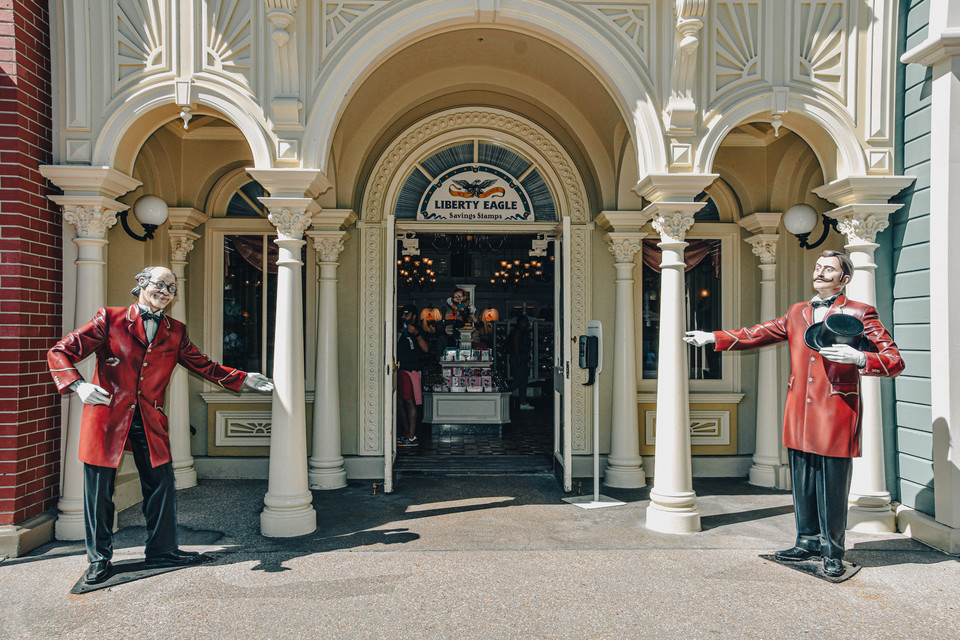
(647, 151)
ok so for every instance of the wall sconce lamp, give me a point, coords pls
(150, 212)
(800, 219)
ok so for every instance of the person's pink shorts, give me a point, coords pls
(408, 386)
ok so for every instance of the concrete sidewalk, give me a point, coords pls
(485, 557)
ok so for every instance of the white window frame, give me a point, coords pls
(730, 237)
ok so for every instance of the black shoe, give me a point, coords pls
(176, 558)
(796, 554)
(98, 571)
(833, 567)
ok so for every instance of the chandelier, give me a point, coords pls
(513, 273)
(415, 272)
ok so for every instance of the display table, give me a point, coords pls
(466, 407)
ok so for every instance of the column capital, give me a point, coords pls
(766, 222)
(624, 246)
(291, 216)
(84, 180)
(861, 223)
(942, 45)
(91, 215)
(181, 243)
(673, 227)
(186, 218)
(328, 244)
(333, 219)
(622, 221)
(291, 183)
(764, 247)
(863, 189)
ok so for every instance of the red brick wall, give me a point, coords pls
(30, 268)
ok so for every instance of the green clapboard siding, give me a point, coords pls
(910, 273)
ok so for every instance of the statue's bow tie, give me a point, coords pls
(818, 304)
(151, 315)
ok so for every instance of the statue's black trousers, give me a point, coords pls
(159, 501)
(821, 485)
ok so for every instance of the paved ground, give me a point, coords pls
(485, 557)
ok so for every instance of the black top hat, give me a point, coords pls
(836, 329)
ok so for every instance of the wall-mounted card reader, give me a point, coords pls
(591, 351)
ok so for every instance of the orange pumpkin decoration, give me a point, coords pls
(429, 317)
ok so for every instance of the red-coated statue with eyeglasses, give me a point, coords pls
(136, 349)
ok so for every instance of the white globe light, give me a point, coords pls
(150, 210)
(800, 219)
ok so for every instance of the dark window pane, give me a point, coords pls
(242, 302)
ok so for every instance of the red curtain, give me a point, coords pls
(250, 249)
(695, 252)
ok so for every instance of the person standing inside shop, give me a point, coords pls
(519, 344)
(411, 346)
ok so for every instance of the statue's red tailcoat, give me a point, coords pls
(822, 413)
(135, 374)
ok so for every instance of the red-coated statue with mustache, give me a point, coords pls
(136, 348)
(821, 422)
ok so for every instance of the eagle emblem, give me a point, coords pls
(473, 189)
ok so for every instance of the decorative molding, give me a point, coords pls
(337, 18)
(634, 21)
(821, 34)
(673, 227)
(580, 414)
(764, 246)
(328, 246)
(371, 336)
(141, 37)
(228, 39)
(624, 249)
(285, 79)
(181, 243)
(289, 222)
(707, 428)
(91, 221)
(243, 428)
(681, 111)
(737, 45)
(494, 120)
(860, 228)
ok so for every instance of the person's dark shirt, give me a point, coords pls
(408, 352)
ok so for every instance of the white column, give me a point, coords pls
(178, 396)
(288, 509)
(326, 462)
(92, 215)
(766, 470)
(624, 464)
(941, 51)
(673, 503)
(862, 215)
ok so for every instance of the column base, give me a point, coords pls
(762, 475)
(287, 523)
(624, 477)
(69, 525)
(673, 520)
(185, 477)
(871, 519)
(326, 479)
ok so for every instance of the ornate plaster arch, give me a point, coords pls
(142, 112)
(831, 135)
(595, 44)
(388, 175)
(530, 138)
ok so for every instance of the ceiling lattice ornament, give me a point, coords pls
(228, 33)
(140, 31)
(634, 21)
(821, 35)
(737, 45)
(340, 17)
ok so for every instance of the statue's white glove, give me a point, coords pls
(844, 354)
(92, 394)
(258, 382)
(699, 338)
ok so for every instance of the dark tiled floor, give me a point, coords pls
(529, 433)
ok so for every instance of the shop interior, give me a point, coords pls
(472, 405)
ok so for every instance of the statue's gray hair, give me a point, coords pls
(145, 275)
